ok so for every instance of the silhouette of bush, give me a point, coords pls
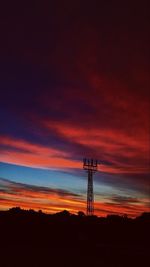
(81, 214)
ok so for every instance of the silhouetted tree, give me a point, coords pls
(81, 214)
(64, 214)
(15, 210)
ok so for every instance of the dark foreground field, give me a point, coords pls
(33, 239)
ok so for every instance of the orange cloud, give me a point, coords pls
(47, 199)
(35, 155)
(54, 200)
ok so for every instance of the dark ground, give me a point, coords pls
(33, 239)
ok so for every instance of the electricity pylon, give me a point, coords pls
(91, 166)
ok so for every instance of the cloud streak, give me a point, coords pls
(37, 197)
(52, 200)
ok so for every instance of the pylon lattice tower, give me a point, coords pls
(91, 166)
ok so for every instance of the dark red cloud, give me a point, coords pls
(75, 83)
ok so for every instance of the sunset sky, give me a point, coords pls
(74, 83)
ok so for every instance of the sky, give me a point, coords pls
(74, 83)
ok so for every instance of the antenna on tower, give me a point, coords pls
(91, 166)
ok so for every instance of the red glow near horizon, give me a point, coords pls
(51, 201)
(53, 204)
